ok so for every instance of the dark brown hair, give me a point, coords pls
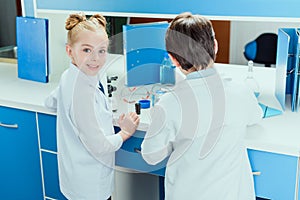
(190, 40)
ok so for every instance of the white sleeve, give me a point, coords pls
(157, 144)
(51, 100)
(90, 132)
(115, 140)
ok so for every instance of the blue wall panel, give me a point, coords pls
(257, 8)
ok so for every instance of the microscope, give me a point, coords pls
(110, 90)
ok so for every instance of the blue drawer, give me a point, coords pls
(278, 172)
(51, 180)
(129, 156)
(47, 130)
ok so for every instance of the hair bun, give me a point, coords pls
(100, 19)
(73, 20)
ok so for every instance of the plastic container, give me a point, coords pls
(144, 103)
(156, 96)
(144, 110)
(167, 71)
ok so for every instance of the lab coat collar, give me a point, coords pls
(201, 73)
(92, 80)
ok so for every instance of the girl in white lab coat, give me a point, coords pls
(85, 135)
(200, 125)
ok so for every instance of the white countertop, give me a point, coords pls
(23, 94)
(278, 134)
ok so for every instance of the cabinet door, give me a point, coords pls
(47, 130)
(277, 174)
(51, 181)
(129, 156)
(20, 168)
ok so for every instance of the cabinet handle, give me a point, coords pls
(137, 150)
(9, 125)
(256, 173)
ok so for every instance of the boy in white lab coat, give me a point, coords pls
(201, 124)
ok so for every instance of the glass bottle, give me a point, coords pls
(167, 71)
(250, 80)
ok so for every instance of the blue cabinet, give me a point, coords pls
(129, 156)
(277, 174)
(51, 181)
(20, 168)
(47, 130)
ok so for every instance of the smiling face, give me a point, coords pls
(89, 51)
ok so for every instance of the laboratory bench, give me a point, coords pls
(29, 153)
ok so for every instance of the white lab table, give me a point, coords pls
(278, 134)
(23, 94)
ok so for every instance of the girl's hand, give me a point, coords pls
(128, 124)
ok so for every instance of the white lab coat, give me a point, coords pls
(201, 125)
(85, 137)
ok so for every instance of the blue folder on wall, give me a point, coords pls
(32, 43)
(287, 67)
(144, 49)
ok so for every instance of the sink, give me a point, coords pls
(8, 54)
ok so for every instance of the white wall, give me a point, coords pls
(58, 59)
(243, 32)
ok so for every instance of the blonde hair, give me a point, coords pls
(78, 22)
